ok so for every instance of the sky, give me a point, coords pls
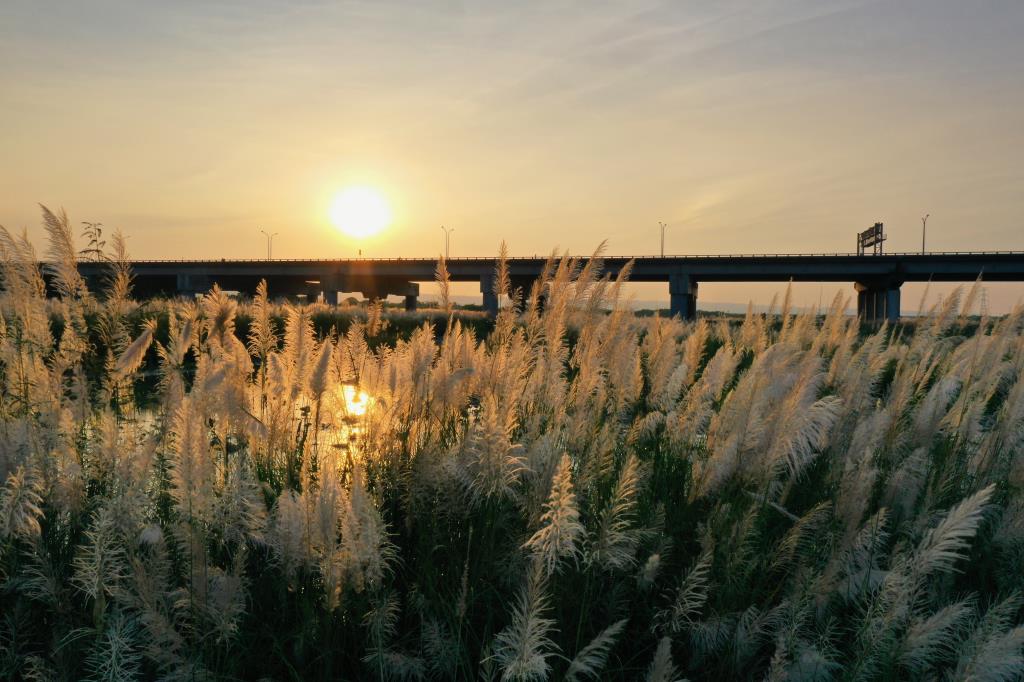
(746, 126)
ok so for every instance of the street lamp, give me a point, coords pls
(447, 234)
(663, 226)
(270, 242)
(924, 227)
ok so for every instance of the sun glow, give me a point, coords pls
(360, 211)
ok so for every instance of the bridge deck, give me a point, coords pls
(878, 277)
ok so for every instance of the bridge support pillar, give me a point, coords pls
(878, 301)
(331, 297)
(410, 303)
(191, 285)
(490, 294)
(682, 290)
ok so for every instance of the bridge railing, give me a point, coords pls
(713, 256)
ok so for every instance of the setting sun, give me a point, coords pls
(360, 211)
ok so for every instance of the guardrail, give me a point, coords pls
(475, 259)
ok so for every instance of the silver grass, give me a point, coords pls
(289, 534)
(560, 531)
(132, 357)
(662, 668)
(502, 279)
(650, 570)
(443, 280)
(262, 338)
(62, 266)
(998, 659)
(115, 656)
(710, 636)
(591, 659)
(523, 648)
(20, 506)
(239, 512)
(192, 465)
(38, 669)
(690, 598)
(801, 536)
(367, 551)
(381, 621)
(166, 503)
(119, 281)
(298, 349)
(318, 381)
(944, 545)
(931, 640)
(811, 665)
(753, 628)
(615, 544)
(441, 652)
(493, 464)
(226, 601)
(42, 579)
(396, 665)
(806, 434)
(101, 563)
(993, 650)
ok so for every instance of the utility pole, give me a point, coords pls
(447, 233)
(924, 228)
(663, 226)
(270, 243)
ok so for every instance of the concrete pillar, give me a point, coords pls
(190, 285)
(331, 297)
(892, 304)
(878, 301)
(490, 295)
(410, 303)
(682, 291)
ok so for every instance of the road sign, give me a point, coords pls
(871, 238)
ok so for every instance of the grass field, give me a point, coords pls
(197, 492)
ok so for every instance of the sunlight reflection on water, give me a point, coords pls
(356, 401)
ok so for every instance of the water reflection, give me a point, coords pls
(356, 400)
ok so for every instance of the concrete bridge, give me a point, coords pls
(877, 278)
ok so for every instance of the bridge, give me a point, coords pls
(876, 277)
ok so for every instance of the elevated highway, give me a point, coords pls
(876, 277)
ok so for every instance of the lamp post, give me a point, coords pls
(270, 242)
(447, 234)
(663, 226)
(924, 227)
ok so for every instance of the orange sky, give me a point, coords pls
(746, 126)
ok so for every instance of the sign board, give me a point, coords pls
(872, 239)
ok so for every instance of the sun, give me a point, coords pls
(360, 211)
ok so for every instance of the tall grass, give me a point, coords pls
(578, 494)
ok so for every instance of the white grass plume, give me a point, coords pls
(662, 668)
(502, 279)
(63, 266)
(944, 545)
(133, 355)
(560, 531)
(20, 506)
(522, 649)
(591, 659)
(931, 640)
(993, 651)
(443, 280)
(615, 545)
(690, 597)
(115, 656)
